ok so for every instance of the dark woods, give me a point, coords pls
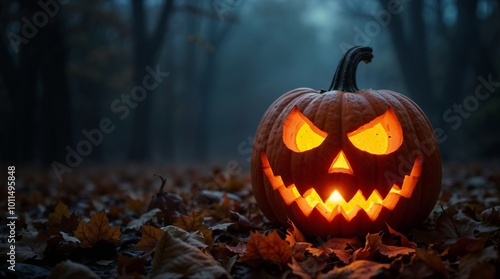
(183, 81)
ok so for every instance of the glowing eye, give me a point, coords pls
(382, 135)
(300, 134)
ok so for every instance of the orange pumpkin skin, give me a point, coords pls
(406, 172)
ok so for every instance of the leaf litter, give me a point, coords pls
(113, 222)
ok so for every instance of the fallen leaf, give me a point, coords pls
(357, 270)
(372, 245)
(293, 234)
(270, 248)
(194, 223)
(433, 261)
(136, 224)
(70, 224)
(196, 238)
(61, 210)
(478, 264)
(450, 229)
(69, 238)
(176, 258)
(131, 266)
(307, 269)
(342, 248)
(149, 237)
(134, 205)
(240, 248)
(32, 244)
(404, 240)
(97, 229)
(394, 251)
(72, 270)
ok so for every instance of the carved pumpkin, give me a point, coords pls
(345, 161)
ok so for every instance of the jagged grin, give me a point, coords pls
(336, 204)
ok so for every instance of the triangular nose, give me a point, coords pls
(340, 164)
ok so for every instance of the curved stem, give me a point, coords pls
(345, 75)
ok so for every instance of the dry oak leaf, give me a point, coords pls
(149, 237)
(270, 248)
(175, 257)
(61, 210)
(97, 229)
(361, 269)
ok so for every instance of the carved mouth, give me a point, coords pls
(336, 204)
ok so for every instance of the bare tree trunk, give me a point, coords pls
(145, 52)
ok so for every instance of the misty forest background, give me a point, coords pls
(228, 60)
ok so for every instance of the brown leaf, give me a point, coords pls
(32, 244)
(404, 240)
(71, 270)
(70, 224)
(450, 229)
(372, 245)
(61, 210)
(270, 248)
(293, 234)
(307, 269)
(194, 223)
(240, 248)
(149, 237)
(394, 251)
(433, 261)
(463, 246)
(176, 258)
(478, 264)
(361, 269)
(342, 248)
(131, 266)
(135, 205)
(97, 229)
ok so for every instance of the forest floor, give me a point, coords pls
(103, 222)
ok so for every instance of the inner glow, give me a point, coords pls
(340, 164)
(336, 204)
(300, 134)
(382, 135)
(307, 139)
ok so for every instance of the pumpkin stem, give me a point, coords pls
(163, 182)
(345, 75)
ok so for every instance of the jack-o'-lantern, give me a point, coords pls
(345, 161)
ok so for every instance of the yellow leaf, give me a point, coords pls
(270, 248)
(60, 211)
(149, 238)
(97, 229)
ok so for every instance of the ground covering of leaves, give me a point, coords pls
(109, 222)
